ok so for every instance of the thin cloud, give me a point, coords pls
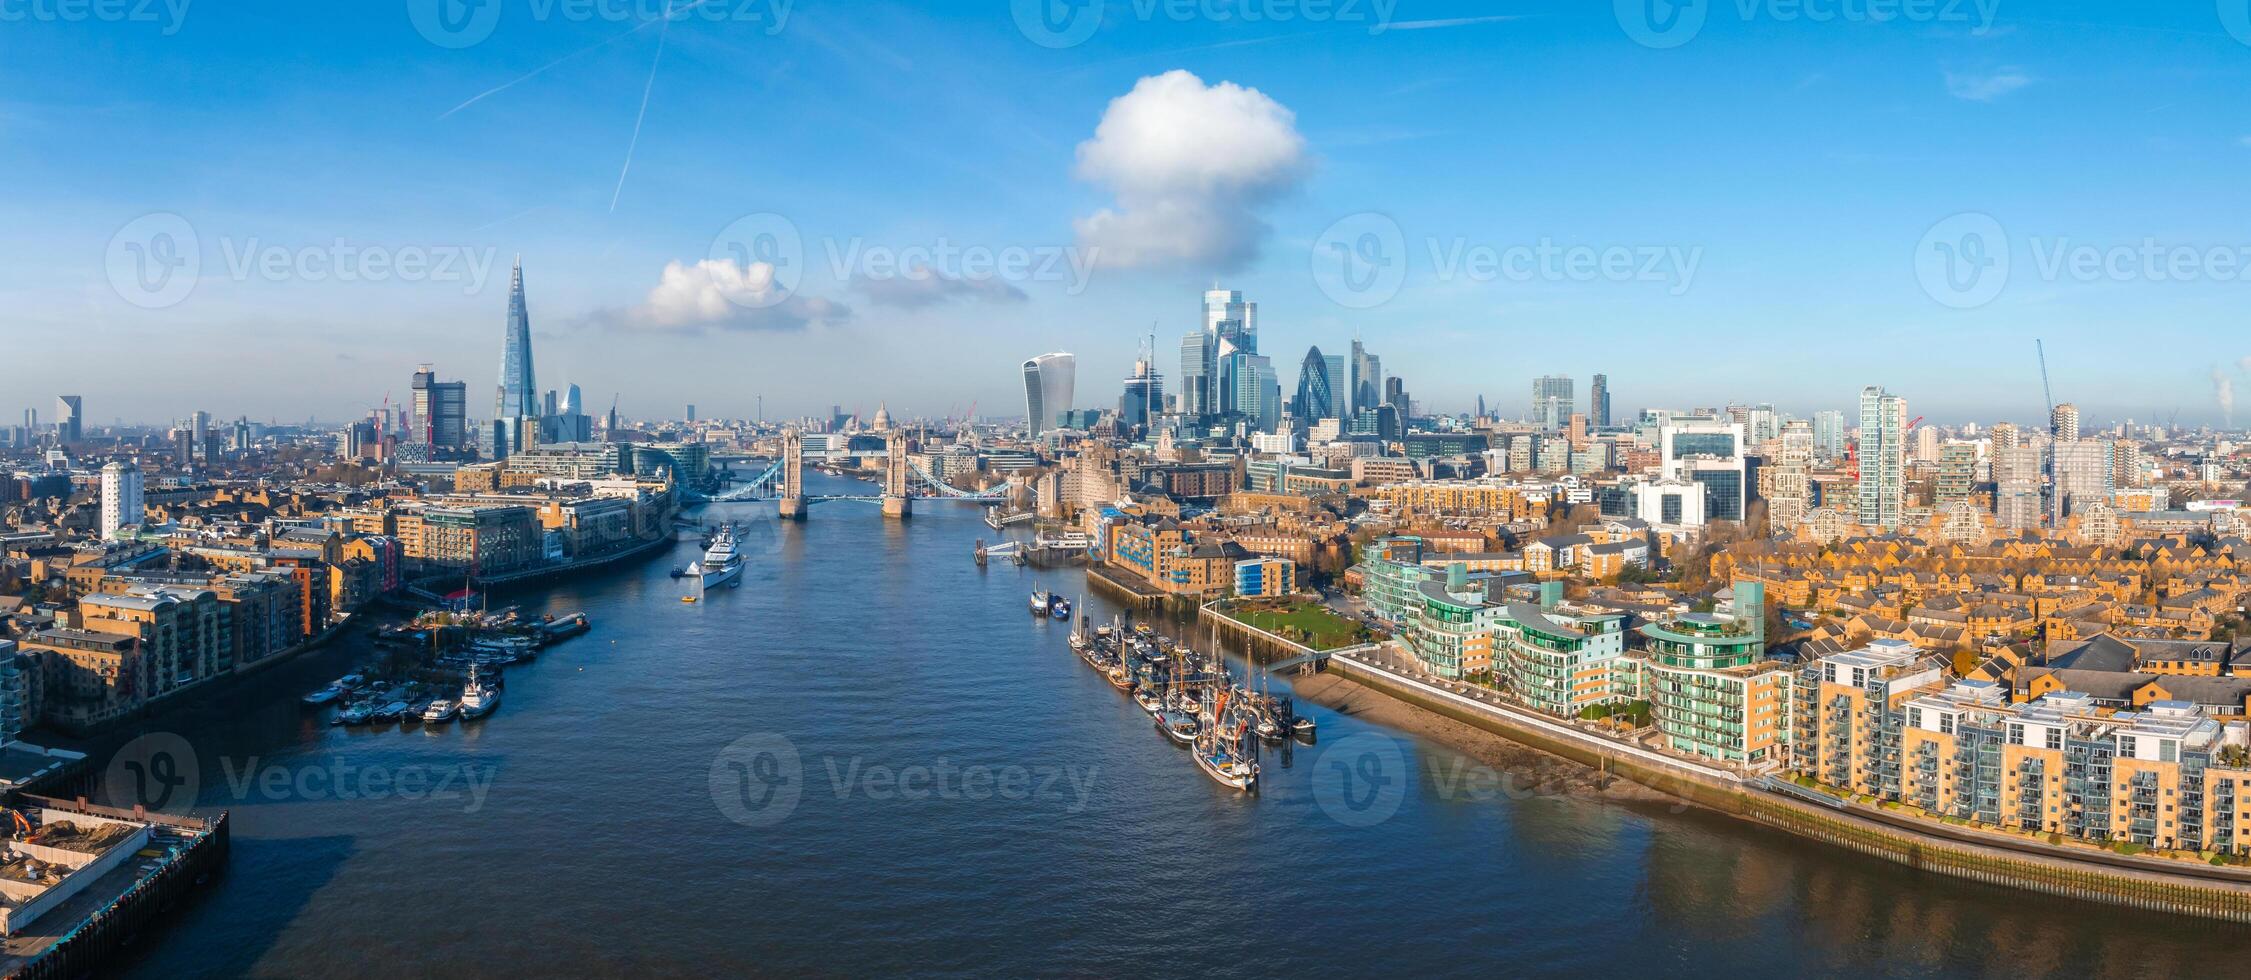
(1986, 86)
(924, 288)
(1441, 24)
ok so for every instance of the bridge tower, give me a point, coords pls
(793, 476)
(896, 503)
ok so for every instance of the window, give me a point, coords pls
(2055, 738)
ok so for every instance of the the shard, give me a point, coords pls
(519, 393)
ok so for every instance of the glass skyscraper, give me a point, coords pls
(1048, 383)
(1316, 389)
(1883, 457)
(519, 392)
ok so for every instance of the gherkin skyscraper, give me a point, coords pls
(519, 393)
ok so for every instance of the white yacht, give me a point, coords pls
(440, 710)
(720, 565)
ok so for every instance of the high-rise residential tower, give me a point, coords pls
(437, 412)
(1829, 434)
(123, 503)
(2063, 422)
(1883, 457)
(1048, 380)
(1598, 402)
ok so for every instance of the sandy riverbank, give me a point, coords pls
(1532, 770)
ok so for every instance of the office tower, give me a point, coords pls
(1551, 402)
(1367, 380)
(1048, 380)
(1249, 388)
(183, 446)
(1316, 389)
(200, 424)
(2063, 422)
(1708, 451)
(1883, 457)
(1198, 364)
(570, 423)
(691, 411)
(122, 500)
(438, 412)
(70, 422)
(1340, 387)
(1228, 317)
(1395, 395)
(1598, 402)
(2084, 469)
(1829, 434)
(519, 393)
(550, 405)
(1144, 395)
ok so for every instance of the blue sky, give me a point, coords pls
(1802, 165)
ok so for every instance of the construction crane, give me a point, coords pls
(2040, 347)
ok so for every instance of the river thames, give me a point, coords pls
(870, 759)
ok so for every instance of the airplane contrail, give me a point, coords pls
(635, 142)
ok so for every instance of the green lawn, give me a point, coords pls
(1305, 622)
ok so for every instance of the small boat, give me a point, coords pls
(1149, 701)
(1042, 601)
(1060, 609)
(1225, 769)
(413, 713)
(1179, 726)
(389, 711)
(1303, 727)
(440, 710)
(687, 598)
(323, 696)
(478, 699)
(1268, 730)
(355, 714)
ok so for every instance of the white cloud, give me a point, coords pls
(718, 294)
(1191, 166)
(2223, 392)
(1986, 86)
(923, 287)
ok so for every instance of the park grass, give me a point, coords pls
(1305, 622)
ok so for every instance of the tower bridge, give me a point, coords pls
(904, 480)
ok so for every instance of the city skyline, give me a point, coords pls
(1801, 249)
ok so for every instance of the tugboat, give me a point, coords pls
(478, 699)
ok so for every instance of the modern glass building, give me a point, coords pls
(519, 391)
(1316, 388)
(1712, 692)
(1048, 380)
(1560, 660)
